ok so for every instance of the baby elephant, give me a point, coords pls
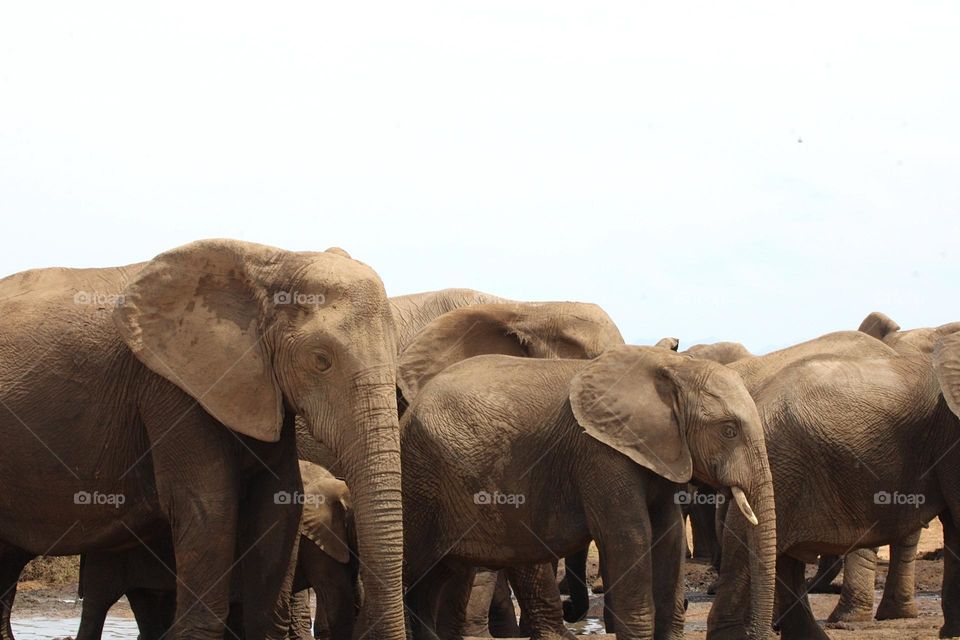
(511, 462)
(326, 562)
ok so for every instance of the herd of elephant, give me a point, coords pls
(221, 427)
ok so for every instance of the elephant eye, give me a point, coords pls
(729, 430)
(323, 362)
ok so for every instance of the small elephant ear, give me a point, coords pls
(193, 315)
(628, 398)
(668, 343)
(946, 362)
(326, 506)
(878, 325)
(455, 336)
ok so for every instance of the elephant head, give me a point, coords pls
(681, 417)
(922, 340)
(253, 332)
(327, 512)
(527, 329)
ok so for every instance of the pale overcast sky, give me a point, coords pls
(763, 172)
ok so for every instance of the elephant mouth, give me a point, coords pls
(744, 505)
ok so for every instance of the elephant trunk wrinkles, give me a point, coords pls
(372, 468)
(762, 544)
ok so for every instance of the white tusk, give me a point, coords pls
(744, 505)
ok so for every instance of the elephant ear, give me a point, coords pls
(455, 336)
(194, 316)
(878, 325)
(668, 343)
(326, 508)
(946, 362)
(629, 399)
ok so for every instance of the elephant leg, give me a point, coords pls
(333, 583)
(899, 591)
(727, 619)
(301, 622)
(950, 591)
(503, 615)
(200, 501)
(423, 602)
(153, 611)
(576, 608)
(274, 525)
(536, 588)
(856, 597)
(456, 596)
(796, 618)
(477, 619)
(12, 562)
(668, 534)
(627, 568)
(828, 569)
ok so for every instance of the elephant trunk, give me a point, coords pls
(762, 544)
(372, 469)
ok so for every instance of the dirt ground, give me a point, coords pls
(50, 599)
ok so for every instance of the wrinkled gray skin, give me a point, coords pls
(859, 567)
(703, 519)
(411, 313)
(213, 349)
(437, 329)
(856, 412)
(706, 542)
(586, 468)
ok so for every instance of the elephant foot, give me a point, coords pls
(894, 609)
(850, 613)
(949, 630)
(575, 611)
(597, 586)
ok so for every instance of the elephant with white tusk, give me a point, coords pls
(509, 462)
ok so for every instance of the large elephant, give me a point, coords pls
(859, 567)
(513, 461)
(863, 450)
(165, 392)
